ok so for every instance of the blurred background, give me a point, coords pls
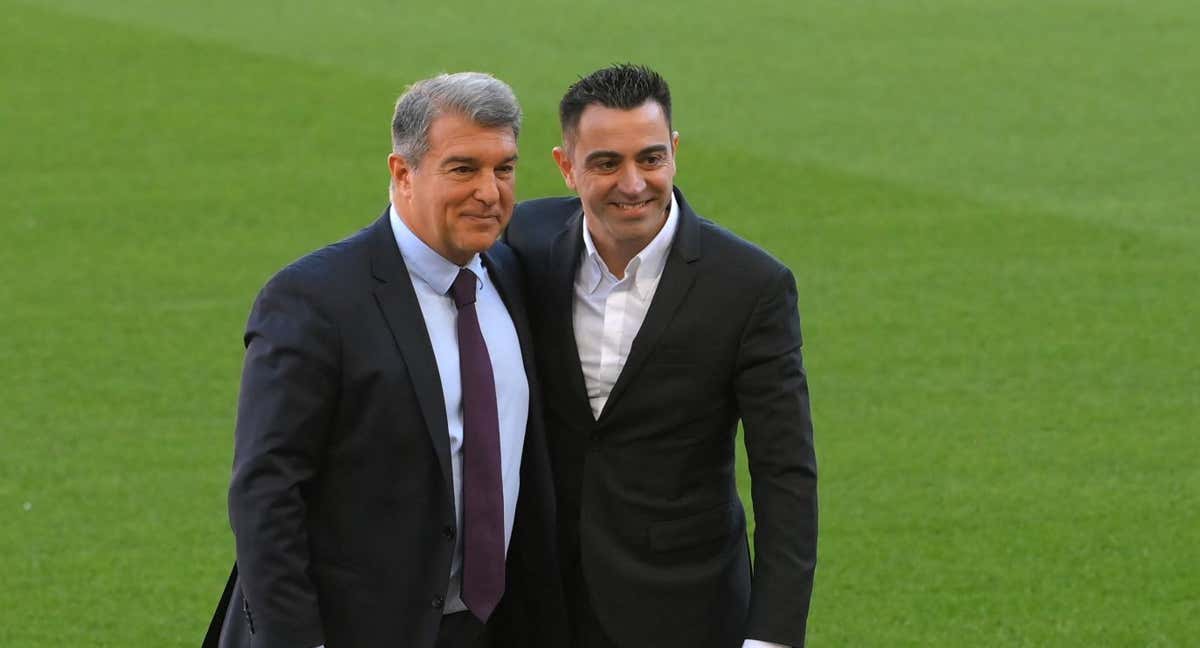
(991, 208)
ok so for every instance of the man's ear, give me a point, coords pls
(401, 175)
(562, 158)
(674, 143)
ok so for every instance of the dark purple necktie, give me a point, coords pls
(482, 490)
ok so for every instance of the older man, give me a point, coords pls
(390, 482)
(657, 332)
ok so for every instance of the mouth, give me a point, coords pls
(629, 206)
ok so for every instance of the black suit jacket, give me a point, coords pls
(341, 499)
(652, 529)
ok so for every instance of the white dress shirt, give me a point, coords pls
(608, 312)
(432, 276)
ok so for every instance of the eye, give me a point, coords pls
(505, 170)
(461, 170)
(657, 159)
(606, 165)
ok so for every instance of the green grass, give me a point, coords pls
(990, 207)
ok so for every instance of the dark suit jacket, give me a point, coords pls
(651, 525)
(341, 499)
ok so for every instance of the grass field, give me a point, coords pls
(991, 208)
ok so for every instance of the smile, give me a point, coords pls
(625, 206)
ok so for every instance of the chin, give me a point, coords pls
(480, 242)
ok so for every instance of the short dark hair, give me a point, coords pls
(624, 86)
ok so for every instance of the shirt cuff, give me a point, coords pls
(755, 643)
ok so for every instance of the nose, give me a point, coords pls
(487, 190)
(631, 182)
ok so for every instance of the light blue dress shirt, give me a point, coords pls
(432, 276)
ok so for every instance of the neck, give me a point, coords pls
(460, 259)
(617, 253)
(616, 257)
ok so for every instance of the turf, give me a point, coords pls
(990, 207)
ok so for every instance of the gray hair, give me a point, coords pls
(480, 97)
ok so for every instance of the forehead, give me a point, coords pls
(457, 135)
(601, 127)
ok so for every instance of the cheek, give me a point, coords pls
(453, 199)
(663, 177)
(594, 190)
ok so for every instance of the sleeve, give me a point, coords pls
(285, 408)
(772, 395)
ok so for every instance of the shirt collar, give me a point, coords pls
(641, 269)
(426, 264)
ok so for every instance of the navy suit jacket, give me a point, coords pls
(341, 499)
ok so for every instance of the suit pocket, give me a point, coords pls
(702, 528)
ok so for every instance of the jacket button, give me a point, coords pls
(437, 601)
(449, 532)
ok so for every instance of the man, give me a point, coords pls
(657, 331)
(389, 450)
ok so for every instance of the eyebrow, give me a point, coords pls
(466, 159)
(596, 155)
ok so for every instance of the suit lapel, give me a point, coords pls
(402, 312)
(677, 278)
(565, 253)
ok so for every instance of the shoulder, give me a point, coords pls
(546, 209)
(748, 280)
(743, 260)
(535, 222)
(326, 274)
(722, 251)
(502, 258)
